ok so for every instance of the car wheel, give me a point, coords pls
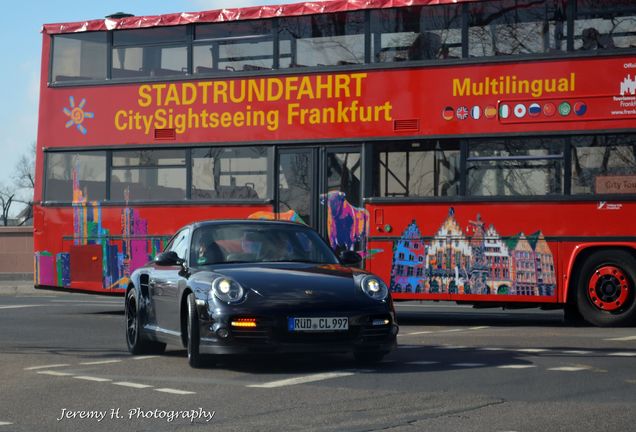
(195, 359)
(369, 356)
(606, 289)
(135, 340)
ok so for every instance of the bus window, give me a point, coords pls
(150, 52)
(513, 27)
(515, 167)
(323, 40)
(79, 56)
(89, 168)
(416, 33)
(148, 175)
(603, 164)
(417, 169)
(233, 46)
(229, 173)
(604, 24)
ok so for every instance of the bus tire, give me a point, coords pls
(606, 288)
(195, 359)
(135, 340)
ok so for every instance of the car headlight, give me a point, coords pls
(227, 290)
(374, 288)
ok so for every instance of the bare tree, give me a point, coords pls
(7, 196)
(24, 183)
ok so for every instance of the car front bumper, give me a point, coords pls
(271, 334)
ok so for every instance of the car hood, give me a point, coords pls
(291, 283)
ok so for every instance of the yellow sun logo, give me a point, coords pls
(77, 114)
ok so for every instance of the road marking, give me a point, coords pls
(570, 368)
(623, 354)
(467, 364)
(89, 378)
(450, 331)
(47, 366)
(516, 366)
(101, 362)
(479, 328)
(531, 350)
(422, 363)
(5, 423)
(579, 352)
(174, 391)
(416, 333)
(626, 338)
(302, 379)
(144, 357)
(20, 306)
(54, 373)
(133, 385)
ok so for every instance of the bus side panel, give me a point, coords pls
(507, 252)
(91, 247)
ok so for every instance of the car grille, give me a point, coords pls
(251, 336)
(375, 333)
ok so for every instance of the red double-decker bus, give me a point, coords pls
(473, 151)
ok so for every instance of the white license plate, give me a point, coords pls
(318, 324)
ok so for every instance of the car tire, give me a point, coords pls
(195, 359)
(369, 356)
(606, 289)
(135, 340)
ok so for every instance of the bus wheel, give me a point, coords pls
(135, 340)
(195, 359)
(606, 289)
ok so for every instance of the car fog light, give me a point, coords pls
(222, 333)
(244, 322)
(380, 322)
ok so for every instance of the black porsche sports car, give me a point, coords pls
(245, 286)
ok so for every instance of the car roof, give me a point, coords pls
(200, 224)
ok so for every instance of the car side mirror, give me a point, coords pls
(349, 258)
(169, 258)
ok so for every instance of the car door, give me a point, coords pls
(164, 285)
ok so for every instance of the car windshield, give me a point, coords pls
(258, 242)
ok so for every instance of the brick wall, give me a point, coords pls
(16, 252)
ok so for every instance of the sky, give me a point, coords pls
(21, 43)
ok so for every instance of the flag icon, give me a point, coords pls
(580, 108)
(565, 109)
(475, 112)
(490, 112)
(534, 109)
(520, 110)
(504, 111)
(448, 113)
(462, 113)
(549, 109)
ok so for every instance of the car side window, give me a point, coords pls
(180, 244)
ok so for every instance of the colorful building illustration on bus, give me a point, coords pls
(482, 263)
(119, 256)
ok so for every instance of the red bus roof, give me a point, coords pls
(235, 14)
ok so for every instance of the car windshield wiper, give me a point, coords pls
(298, 260)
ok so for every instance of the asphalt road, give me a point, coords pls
(457, 369)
